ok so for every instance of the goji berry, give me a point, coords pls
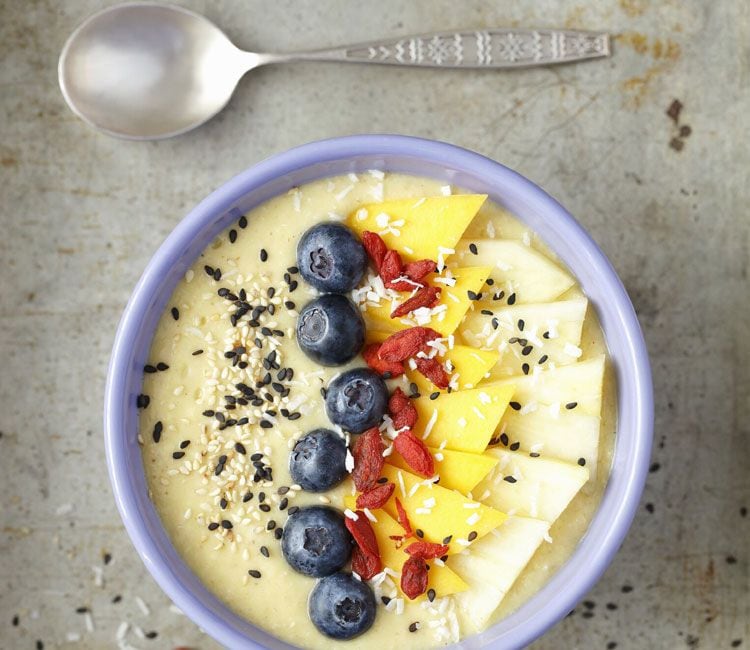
(364, 565)
(414, 577)
(403, 519)
(370, 354)
(415, 453)
(425, 297)
(434, 371)
(376, 497)
(418, 270)
(362, 533)
(391, 267)
(398, 401)
(426, 550)
(368, 459)
(375, 248)
(406, 343)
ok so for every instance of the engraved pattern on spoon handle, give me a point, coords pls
(490, 48)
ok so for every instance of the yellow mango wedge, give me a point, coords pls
(418, 228)
(455, 299)
(465, 420)
(444, 581)
(458, 470)
(440, 512)
(470, 365)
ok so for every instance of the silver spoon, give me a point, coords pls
(146, 70)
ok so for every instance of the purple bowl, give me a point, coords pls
(409, 155)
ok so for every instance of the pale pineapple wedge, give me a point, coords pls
(462, 420)
(458, 470)
(440, 512)
(419, 228)
(552, 330)
(516, 268)
(444, 317)
(491, 567)
(541, 487)
(560, 412)
(442, 579)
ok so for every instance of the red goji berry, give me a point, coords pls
(391, 267)
(406, 343)
(425, 297)
(415, 453)
(397, 402)
(375, 248)
(414, 577)
(418, 270)
(376, 497)
(362, 533)
(368, 459)
(426, 550)
(364, 565)
(434, 371)
(403, 519)
(370, 354)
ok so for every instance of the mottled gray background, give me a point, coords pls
(82, 213)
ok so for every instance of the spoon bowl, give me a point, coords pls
(145, 71)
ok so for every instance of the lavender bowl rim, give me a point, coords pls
(612, 518)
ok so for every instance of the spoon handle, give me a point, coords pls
(488, 48)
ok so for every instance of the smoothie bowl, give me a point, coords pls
(366, 395)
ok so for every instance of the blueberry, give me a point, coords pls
(316, 542)
(356, 400)
(342, 607)
(318, 460)
(330, 330)
(331, 258)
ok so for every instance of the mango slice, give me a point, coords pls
(440, 512)
(458, 470)
(444, 581)
(453, 304)
(418, 228)
(465, 420)
(469, 368)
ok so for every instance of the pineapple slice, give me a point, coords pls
(517, 269)
(464, 420)
(419, 228)
(552, 330)
(578, 383)
(566, 435)
(446, 315)
(542, 487)
(442, 579)
(492, 566)
(458, 470)
(469, 366)
(440, 512)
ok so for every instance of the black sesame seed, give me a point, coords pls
(254, 573)
(534, 454)
(509, 479)
(385, 600)
(265, 507)
(515, 446)
(654, 467)
(289, 304)
(209, 413)
(525, 368)
(209, 270)
(293, 285)
(382, 480)
(240, 448)
(571, 405)
(142, 401)
(515, 406)
(581, 461)
(149, 369)
(213, 525)
(242, 223)
(413, 627)
(499, 296)
(82, 610)
(232, 236)
(295, 416)
(107, 557)
(472, 295)
(542, 359)
(223, 503)
(219, 416)
(526, 351)
(419, 532)
(473, 248)
(521, 324)
(184, 444)
(116, 599)
(247, 497)
(175, 313)
(178, 454)
(283, 503)
(278, 532)
(271, 525)
(152, 635)
(626, 589)
(265, 424)
(504, 439)
(293, 510)
(262, 497)
(545, 335)
(217, 274)
(435, 395)
(512, 299)
(226, 524)
(158, 428)
(487, 312)
(472, 535)
(256, 456)
(611, 606)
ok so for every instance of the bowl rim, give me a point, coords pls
(622, 494)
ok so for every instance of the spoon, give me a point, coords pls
(146, 70)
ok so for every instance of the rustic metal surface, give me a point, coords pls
(666, 197)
